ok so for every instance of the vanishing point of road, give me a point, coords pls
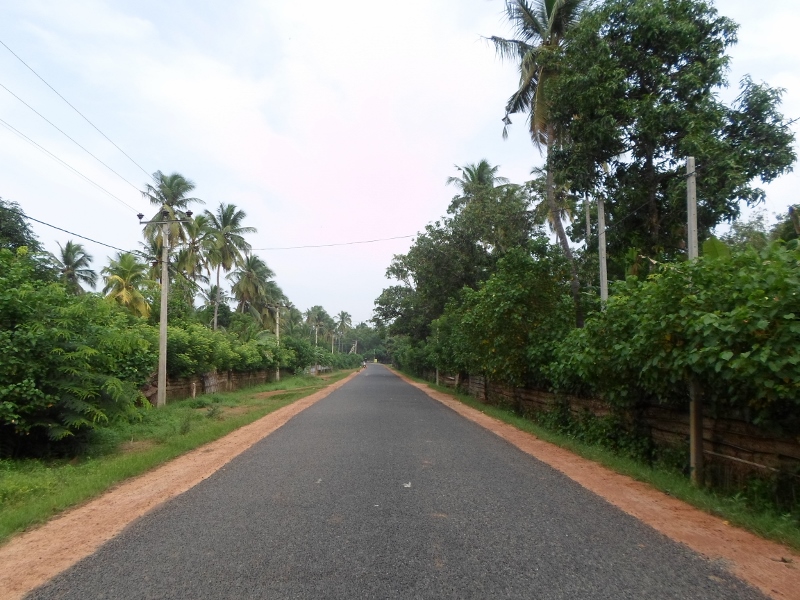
(378, 491)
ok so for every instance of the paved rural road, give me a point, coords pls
(378, 491)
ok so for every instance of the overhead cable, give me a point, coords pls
(70, 138)
(399, 237)
(75, 109)
(83, 237)
(43, 149)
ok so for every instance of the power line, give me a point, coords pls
(83, 237)
(70, 138)
(43, 149)
(399, 237)
(73, 108)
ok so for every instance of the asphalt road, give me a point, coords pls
(377, 491)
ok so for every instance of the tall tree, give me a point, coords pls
(540, 28)
(170, 193)
(475, 179)
(344, 322)
(14, 229)
(250, 283)
(124, 277)
(638, 91)
(229, 243)
(74, 264)
(193, 254)
(319, 321)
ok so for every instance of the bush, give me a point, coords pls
(730, 323)
(297, 354)
(67, 363)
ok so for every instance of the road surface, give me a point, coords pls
(378, 491)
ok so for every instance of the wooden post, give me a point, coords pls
(696, 432)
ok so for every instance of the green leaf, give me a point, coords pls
(715, 249)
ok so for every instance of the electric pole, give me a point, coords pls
(161, 399)
(588, 219)
(695, 392)
(278, 335)
(601, 249)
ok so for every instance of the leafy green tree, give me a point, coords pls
(300, 354)
(124, 277)
(74, 264)
(14, 229)
(507, 327)
(636, 94)
(457, 251)
(229, 243)
(16, 233)
(540, 29)
(752, 232)
(788, 225)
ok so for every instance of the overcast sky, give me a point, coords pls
(327, 122)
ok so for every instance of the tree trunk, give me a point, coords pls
(216, 301)
(575, 284)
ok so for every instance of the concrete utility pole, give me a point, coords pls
(161, 399)
(278, 336)
(691, 209)
(165, 222)
(588, 219)
(695, 392)
(601, 249)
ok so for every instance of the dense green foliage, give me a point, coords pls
(72, 361)
(732, 324)
(507, 327)
(637, 94)
(69, 363)
(620, 96)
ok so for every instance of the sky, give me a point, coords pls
(326, 122)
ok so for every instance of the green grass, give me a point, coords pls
(33, 491)
(763, 521)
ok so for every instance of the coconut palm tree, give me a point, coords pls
(171, 194)
(124, 276)
(474, 179)
(193, 254)
(250, 282)
(344, 323)
(229, 244)
(540, 27)
(73, 262)
(318, 320)
(292, 320)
